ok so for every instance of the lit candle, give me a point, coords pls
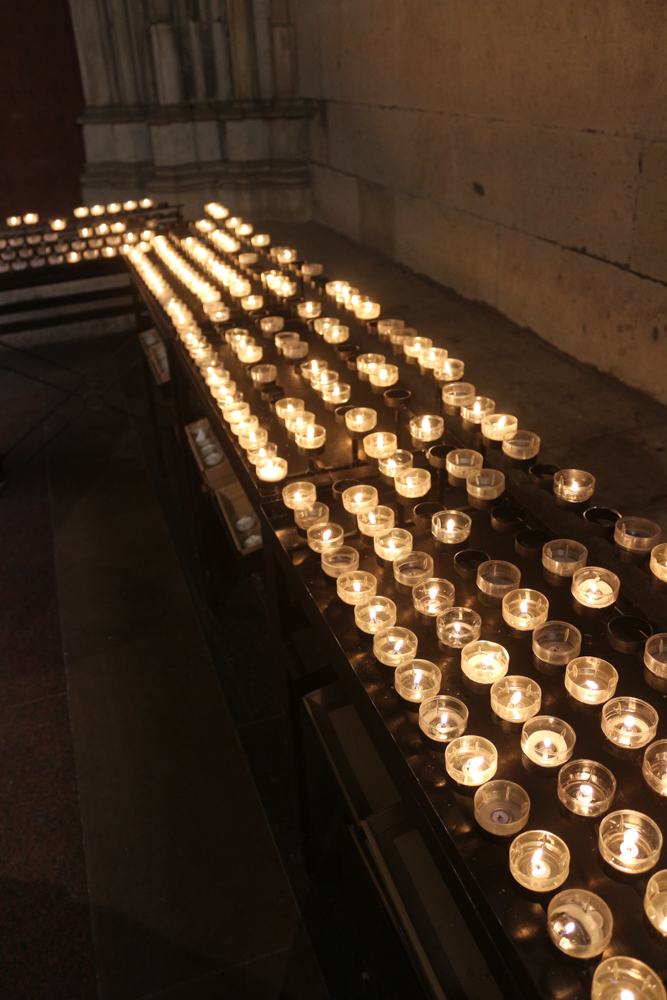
(471, 760)
(358, 499)
(412, 483)
(496, 426)
(547, 741)
(430, 357)
(539, 860)
(586, 787)
(629, 722)
(371, 522)
(417, 680)
(298, 493)
(427, 428)
(337, 333)
(271, 470)
(337, 393)
(624, 978)
(449, 370)
(573, 485)
(360, 419)
(655, 901)
(443, 718)
(432, 596)
(287, 406)
(629, 841)
(325, 536)
(412, 346)
(356, 587)
(476, 409)
(524, 610)
(392, 543)
(383, 376)
(251, 303)
(393, 463)
(308, 310)
(590, 679)
(394, 646)
(595, 587)
(375, 614)
(484, 662)
(515, 699)
(379, 444)
(456, 627)
(450, 526)
(310, 437)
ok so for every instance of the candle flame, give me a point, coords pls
(546, 742)
(516, 698)
(372, 613)
(398, 645)
(444, 719)
(418, 677)
(371, 517)
(489, 660)
(426, 423)
(451, 524)
(356, 586)
(591, 685)
(586, 792)
(433, 593)
(326, 535)
(474, 764)
(358, 497)
(457, 627)
(477, 406)
(524, 607)
(297, 496)
(629, 847)
(502, 421)
(629, 722)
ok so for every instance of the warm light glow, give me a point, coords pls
(418, 677)
(516, 698)
(502, 422)
(586, 793)
(433, 593)
(629, 847)
(629, 722)
(524, 607)
(476, 407)
(327, 535)
(537, 865)
(474, 764)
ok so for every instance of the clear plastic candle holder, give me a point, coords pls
(579, 923)
(271, 470)
(361, 419)
(573, 485)
(586, 787)
(524, 610)
(630, 723)
(432, 597)
(521, 445)
(547, 741)
(456, 627)
(323, 323)
(368, 361)
(358, 499)
(463, 462)
(298, 420)
(283, 340)
(658, 562)
(297, 493)
(310, 437)
(501, 807)
(451, 527)
(595, 587)
(337, 393)
(412, 568)
(356, 587)
(516, 698)
(477, 408)
(295, 350)
(245, 426)
(371, 522)
(336, 334)
(496, 426)
(366, 311)
(591, 680)
(310, 368)
(258, 452)
(390, 544)
(288, 405)
(484, 662)
(386, 326)
(379, 444)
(495, 577)
(237, 411)
(253, 437)
(430, 357)
(308, 310)
(336, 562)
(449, 370)
(443, 718)
(310, 512)
(251, 303)
(636, 534)
(539, 860)
(630, 841)
(325, 536)
(471, 760)
(655, 901)
(458, 394)
(412, 483)
(564, 556)
(418, 680)
(556, 643)
(485, 484)
(375, 614)
(427, 428)
(655, 654)
(624, 978)
(395, 646)
(383, 376)
(397, 461)
(324, 379)
(412, 346)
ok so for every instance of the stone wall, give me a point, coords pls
(515, 150)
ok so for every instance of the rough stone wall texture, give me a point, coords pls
(514, 150)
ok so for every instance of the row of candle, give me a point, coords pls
(81, 212)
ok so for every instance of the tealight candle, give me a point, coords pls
(308, 310)
(586, 787)
(374, 615)
(412, 483)
(322, 323)
(471, 760)
(449, 370)
(655, 901)
(337, 393)
(247, 260)
(361, 419)
(579, 923)
(573, 485)
(310, 368)
(658, 562)
(374, 520)
(595, 587)
(564, 556)
(379, 444)
(484, 662)
(623, 978)
(515, 699)
(271, 324)
(430, 357)
(324, 379)
(310, 436)
(253, 437)
(392, 543)
(485, 485)
(443, 718)
(251, 303)
(418, 680)
(495, 578)
(521, 445)
(367, 310)
(263, 375)
(271, 470)
(337, 333)
(476, 409)
(310, 512)
(411, 568)
(236, 411)
(431, 597)
(250, 354)
(428, 428)
(389, 465)
(547, 741)
(655, 654)
(539, 860)
(463, 462)
(260, 240)
(394, 646)
(367, 361)
(591, 680)
(556, 643)
(385, 327)
(311, 270)
(630, 841)
(495, 426)
(295, 350)
(501, 807)
(458, 394)
(524, 610)
(296, 419)
(258, 452)
(357, 586)
(325, 536)
(298, 493)
(636, 534)
(450, 526)
(456, 627)
(629, 722)
(343, 559)
(383, 376)
(412, 346)
(358, 499)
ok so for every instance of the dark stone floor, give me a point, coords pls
(151, 840)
